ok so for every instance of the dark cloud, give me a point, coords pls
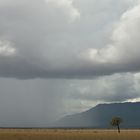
(38, 102)
(115, 88)
(61, 51)
(51, 39)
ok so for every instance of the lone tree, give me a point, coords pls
(116, 122)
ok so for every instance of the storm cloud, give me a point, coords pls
(68, 39)
(59, 57)
(38, 102)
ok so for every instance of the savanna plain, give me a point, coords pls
(68, 134)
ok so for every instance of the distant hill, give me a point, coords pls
(100, 116)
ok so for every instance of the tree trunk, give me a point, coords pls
(118, 129)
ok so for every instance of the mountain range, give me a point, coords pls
(101, 115)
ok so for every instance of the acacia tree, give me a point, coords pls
(116, 122)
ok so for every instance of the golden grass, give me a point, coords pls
(62, 134)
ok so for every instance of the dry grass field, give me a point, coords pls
(61, 134)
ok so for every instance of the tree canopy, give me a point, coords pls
(116, 121)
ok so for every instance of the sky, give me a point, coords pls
(60, 57)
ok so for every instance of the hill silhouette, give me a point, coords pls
(100, 116)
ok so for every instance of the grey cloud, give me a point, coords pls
(37, 102)
(112, 88)
(122, 54)
(49, 37)
(115, 88)
(79, 40)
